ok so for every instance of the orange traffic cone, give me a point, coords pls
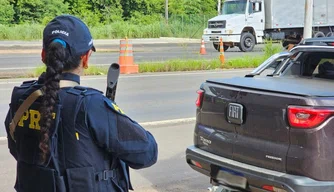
(221, 50)
(202, 50)
(126, 62)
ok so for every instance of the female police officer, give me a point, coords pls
(67, 137)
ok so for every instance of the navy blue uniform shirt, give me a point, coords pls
(101, 131)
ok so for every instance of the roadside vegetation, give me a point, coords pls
(213, 64)
(108, 19)
(111, 19)
(187, 64)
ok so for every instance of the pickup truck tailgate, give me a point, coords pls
(263, 137)
(252, 121)
(213, 132)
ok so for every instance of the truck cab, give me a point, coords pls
(240, 23)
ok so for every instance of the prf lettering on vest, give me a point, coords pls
(32, 117)
(117, 108)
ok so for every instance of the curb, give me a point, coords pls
(102, 42)
(19, 73)
(169, 122)
(148, 125)
(141, 75)
(36, 50)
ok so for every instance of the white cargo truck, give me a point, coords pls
(245, 23)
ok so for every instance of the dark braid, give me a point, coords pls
(57, 59)
(55, 56)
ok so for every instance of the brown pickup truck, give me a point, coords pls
(272, 130)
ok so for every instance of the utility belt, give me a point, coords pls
(84, 179)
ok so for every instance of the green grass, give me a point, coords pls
(186, 64)
(244, 62)
(270, 48)
(92, 70)
(115, 30)
(179, 65)
(175, 65)
(187, 26)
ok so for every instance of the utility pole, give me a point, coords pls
(308, 22)
(219, 7)
(166, 10)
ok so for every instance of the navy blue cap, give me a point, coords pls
(71, 30)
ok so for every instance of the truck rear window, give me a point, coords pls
(319, 65)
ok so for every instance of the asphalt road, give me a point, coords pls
(145, 98)
(18, 60)
(170, 173)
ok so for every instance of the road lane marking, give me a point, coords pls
(168, 122)
(17, 68)
(146, 75)
(154, 123)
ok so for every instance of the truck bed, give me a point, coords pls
(310, 87)
(278, 15)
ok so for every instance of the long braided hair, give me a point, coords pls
(58, 58)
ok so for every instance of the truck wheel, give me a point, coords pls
(217, 47)
(330, 34)
(319, 34)
(247, 42)
(226, 47)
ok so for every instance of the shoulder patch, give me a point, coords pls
(84, 90)
(113, 106)
(90, 89)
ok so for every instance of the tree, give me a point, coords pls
(109, 10)
(95, 12)
(190, 7)
(53, 8)
(28, 10)
(78, 7)
(6, 12)
(142, 7)
(36, 11)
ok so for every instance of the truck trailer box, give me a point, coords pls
(291, 13)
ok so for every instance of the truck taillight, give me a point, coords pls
(197, 164)
(307, 117)
(200, 95)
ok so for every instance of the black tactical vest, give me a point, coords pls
(75, 163)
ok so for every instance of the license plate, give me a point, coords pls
(214, 38)
(222, 188)
(235, 113)
(231, 178)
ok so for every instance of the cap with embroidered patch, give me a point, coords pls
(71, 30)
